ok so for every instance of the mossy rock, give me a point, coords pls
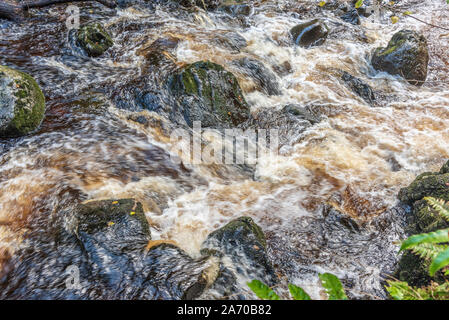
(94, 39)
(426, 185)
(406, 55)
(117, 225)
(310, 34)
(243, 241)
(426, 219)
(208, 93)
(22, 103)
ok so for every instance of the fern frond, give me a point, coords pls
(439, 236)
(428, 251)
(440, 206)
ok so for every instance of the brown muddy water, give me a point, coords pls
(356, 159)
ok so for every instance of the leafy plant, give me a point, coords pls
(330, 283)
(333, 286)
(359, 3)
(433, 247)
(262, 290)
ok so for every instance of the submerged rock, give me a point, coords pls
(406, 55)
(310, 34)
(263, 78)
(205, 4)
(22, 103)
(290, 122)
(359, 87)
(98, 250)
(352, 17)
(242, 242)
(94, 39)
(208, 93)
(237, 9)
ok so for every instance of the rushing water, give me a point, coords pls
(355, 159)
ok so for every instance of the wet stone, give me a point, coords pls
(310, 34)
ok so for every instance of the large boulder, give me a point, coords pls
(206, 92)
(310, 34)
(94, 39)
(406, 55)
(22, 103)
(243, 243)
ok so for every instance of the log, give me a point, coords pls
(15, 11)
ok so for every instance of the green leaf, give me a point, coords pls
(407, 13)
(359, 3)
(432, 237)
(298, 293)
(440, 206)
(262, 290)
(400, 290)
(333, 286)
(439, 262)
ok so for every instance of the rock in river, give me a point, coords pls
(98, 250)
(310, 34)
(206, 92)
(94, 39)
(243, 242)
(22, 103)
(406, 55)
(423, 219)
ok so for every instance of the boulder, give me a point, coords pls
(94, 39)
(310, 34)
(264, 79)
(406, 55)
(237, 9)
(242, 242)
(352, 17)
(206, 92)
(22, 103)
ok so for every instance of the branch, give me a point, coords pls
(13, 11)
(44, 3)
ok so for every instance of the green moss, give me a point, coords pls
(216, 88)
(94, 39)
(427, 184)
(244, 223)
(29, 105)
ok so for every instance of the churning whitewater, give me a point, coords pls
(326, 201)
